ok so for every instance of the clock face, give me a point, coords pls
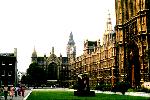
(71, 50)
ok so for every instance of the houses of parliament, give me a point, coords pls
(122, 56)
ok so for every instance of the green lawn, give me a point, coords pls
(65, 95)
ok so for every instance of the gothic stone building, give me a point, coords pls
(58, 68)
(8, 68)
(99, 61)
(122, 56)
(71, 54)
(133, 40)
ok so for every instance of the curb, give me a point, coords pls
(126, 93)
(27, 95)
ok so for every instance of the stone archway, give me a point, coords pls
(53, 66)
(52, 71)
(133, 70)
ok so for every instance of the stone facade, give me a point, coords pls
(122, 55)
(71, 55)
(65, 72)
(133, 40)
(58, 66)
(51, 64)
(99, 61)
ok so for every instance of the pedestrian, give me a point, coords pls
(11, 92)
(19, 91)
(22, 90)
(16, 90)
(5, 91)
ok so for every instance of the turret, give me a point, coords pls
(71, 48)
(34, 56)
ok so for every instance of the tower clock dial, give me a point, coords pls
(71, 50)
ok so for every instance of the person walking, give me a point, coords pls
(22, 90)
(19, 91)
(12, 89)
(5, 92)
(16, 90)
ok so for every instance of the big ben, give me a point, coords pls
(71, 49)
(133, 40)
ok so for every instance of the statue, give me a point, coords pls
(83, 86)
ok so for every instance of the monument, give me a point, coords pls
(83, 88)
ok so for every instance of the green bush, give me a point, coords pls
(107, 87)
(75, 86)
(71, 87)
(103, 87)
(99, 87)
(140, 89)
(143, 90)
(121, 87)
(131, 90)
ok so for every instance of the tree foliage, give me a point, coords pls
(36, 75)
(24, 79)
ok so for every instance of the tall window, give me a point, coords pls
(131, 8)
(10, 73)
(3, 63)
(3, 73)
(142, 4)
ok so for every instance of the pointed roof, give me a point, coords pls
(34, 54)
(71, 41)
(53, 58)
(108, 24)
(71, 36)
(52, 50)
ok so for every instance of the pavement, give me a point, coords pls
(26, 94)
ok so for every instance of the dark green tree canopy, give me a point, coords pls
(36, 74)
(23, 79)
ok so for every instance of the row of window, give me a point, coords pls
(3, 64)
(4, 73)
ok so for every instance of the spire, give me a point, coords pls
(71, 41)
(71, 36)
(98, 42)
(34, 54)
(109, 24)
(34, 49)
(60, 55)
(52, 50)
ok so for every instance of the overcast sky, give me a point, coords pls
(46, 23)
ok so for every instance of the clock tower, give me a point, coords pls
(71, 48)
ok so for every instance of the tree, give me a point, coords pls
(36, 74)
(24, 79)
